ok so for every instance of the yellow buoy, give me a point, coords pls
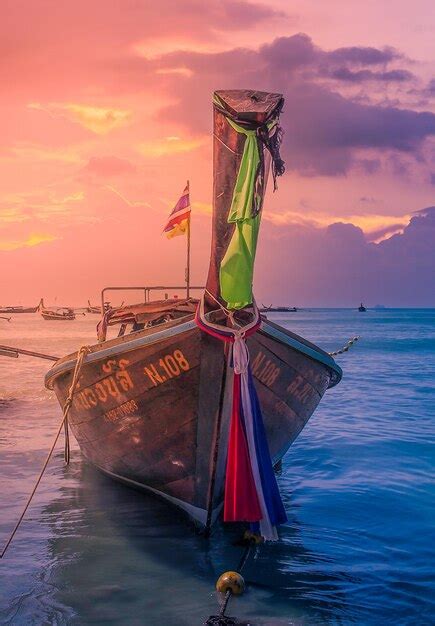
(231, 581)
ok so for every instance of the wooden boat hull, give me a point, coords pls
(19, 309)
(57, 318)
(145, 408)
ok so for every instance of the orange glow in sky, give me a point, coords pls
(106, 112)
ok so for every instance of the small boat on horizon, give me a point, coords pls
(362, 308)
(58, 314)
(278, 309)
(22, 309)
(95, 310)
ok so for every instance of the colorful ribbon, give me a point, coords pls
(251, 490)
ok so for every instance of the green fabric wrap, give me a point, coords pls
(237, 266)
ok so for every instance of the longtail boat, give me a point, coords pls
(278, 309)
(156, 407)
(58, 314)
(96, 310)
(21, 309)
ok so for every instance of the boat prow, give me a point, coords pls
(58, 314)
(172, 405)
(143, 412)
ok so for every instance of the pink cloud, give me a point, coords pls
(120, 117)
(108, 167)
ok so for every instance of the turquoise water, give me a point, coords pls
(358, 485)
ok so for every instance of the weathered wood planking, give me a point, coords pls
(160, 431)
(153, 408)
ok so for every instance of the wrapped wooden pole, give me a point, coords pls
(245, 133)
(236, 112)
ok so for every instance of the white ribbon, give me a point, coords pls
(240, 364)
(240, 354)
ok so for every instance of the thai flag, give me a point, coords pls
(251, 490)
(178, 221)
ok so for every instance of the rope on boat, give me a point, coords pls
(346, 347)
(17, 351)
(222, 619)
(63, 424)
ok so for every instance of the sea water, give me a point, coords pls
(358, 485)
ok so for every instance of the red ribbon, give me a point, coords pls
(241, 500)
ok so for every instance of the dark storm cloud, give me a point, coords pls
(369, 166)
(361, 76)
(323, 127)
(399, 271)
(360, 55)
(290, 53)
(299, 50)
(430, 89)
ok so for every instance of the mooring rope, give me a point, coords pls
(346, 347)
(63, 424)
(38, 355)
(222, 619)
(67, 449)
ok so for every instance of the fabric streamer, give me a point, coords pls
(251, 490)
(237, 266)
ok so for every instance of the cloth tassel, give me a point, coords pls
(251, 490)
(272, 496)
(241, 500)
(256, 483)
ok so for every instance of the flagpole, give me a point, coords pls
(188, 251)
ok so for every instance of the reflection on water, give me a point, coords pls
(357, 485)
(112, 554)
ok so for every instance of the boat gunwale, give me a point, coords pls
(146, 338)
(130, 343)
(306, 347)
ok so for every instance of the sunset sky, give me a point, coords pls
(106, 112)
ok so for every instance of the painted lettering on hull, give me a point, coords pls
(300, 389)
(265, 370)
(169, 366)
(113, 386)
(119, 381)
(268, 373)
(121, 411)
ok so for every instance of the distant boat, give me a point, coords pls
(278, 309)
(362, 308)
(22, 309)
(61, 313)
(96, 310)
